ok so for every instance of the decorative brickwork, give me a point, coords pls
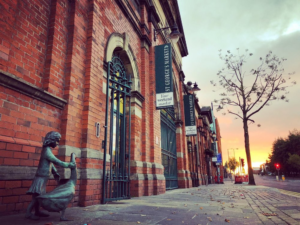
(53, 69)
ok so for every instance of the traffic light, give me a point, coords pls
(242, 161)
(277, 166)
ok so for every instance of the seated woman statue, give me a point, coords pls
(42, 175)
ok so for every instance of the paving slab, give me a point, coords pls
(206, 205)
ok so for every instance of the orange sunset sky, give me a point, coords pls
(259, 26)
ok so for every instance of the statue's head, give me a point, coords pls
(52, 139)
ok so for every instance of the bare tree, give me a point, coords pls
(245, 93)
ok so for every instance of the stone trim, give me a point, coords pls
(145, 45)
(136, 111)
(17, 172)
(138, 96)
(28, 173)
(139, 176)
(179, 154)
(117, 40)
(18, 84)
(91, 153)
(183, 171)
(135, 163)
(157, 166)
(66, 150)
(91, 174)
(178, 130)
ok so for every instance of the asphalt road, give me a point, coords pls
(270, 181)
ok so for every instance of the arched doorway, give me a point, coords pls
(116, 172)
(122, 78)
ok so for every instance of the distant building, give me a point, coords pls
(256, 170)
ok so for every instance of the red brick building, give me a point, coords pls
(60, 61)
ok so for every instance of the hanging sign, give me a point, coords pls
(163, 76)
(219, 158)
(189, 113)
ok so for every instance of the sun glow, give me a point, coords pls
(256, 164)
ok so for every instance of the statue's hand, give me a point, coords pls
(72, 165)
(56, 177)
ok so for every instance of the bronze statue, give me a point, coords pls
(58, 199)
(40, 180)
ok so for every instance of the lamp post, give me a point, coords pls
(194, 88)
(174, 35)
(193, 151)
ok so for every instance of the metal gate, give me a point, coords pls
(116, 144)
(168, 147)
(193, 163)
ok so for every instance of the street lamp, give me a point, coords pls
(214, 135)
(194, 88)
(174, 35)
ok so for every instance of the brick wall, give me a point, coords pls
(58, 48)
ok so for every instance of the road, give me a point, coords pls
(270, 181)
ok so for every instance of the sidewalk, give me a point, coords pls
(212, 204)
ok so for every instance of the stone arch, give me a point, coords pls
(119, 44)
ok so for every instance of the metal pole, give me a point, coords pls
(234, 153)
(105, 134)
(218, 168)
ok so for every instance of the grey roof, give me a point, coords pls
(206, 110)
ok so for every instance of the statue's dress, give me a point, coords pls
(38, 185)
(42, 175)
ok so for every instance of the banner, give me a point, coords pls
(219, 158)
(189, 113)
(163, 76)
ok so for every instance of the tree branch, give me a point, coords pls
(265, 88)
(262, 104)
(235, 114)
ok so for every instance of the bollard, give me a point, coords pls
(277, 178)
(283, 178)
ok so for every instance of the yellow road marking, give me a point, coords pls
(290, 193)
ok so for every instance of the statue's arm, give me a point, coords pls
(54, 170)
(56, 161)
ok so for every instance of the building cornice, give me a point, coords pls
(170, 18)
(138, 95)
(133, 19)
(19, 85)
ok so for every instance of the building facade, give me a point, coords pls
(86, 69)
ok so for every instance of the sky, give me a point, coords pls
(260, 26)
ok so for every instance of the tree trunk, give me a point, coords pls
(247, 147)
